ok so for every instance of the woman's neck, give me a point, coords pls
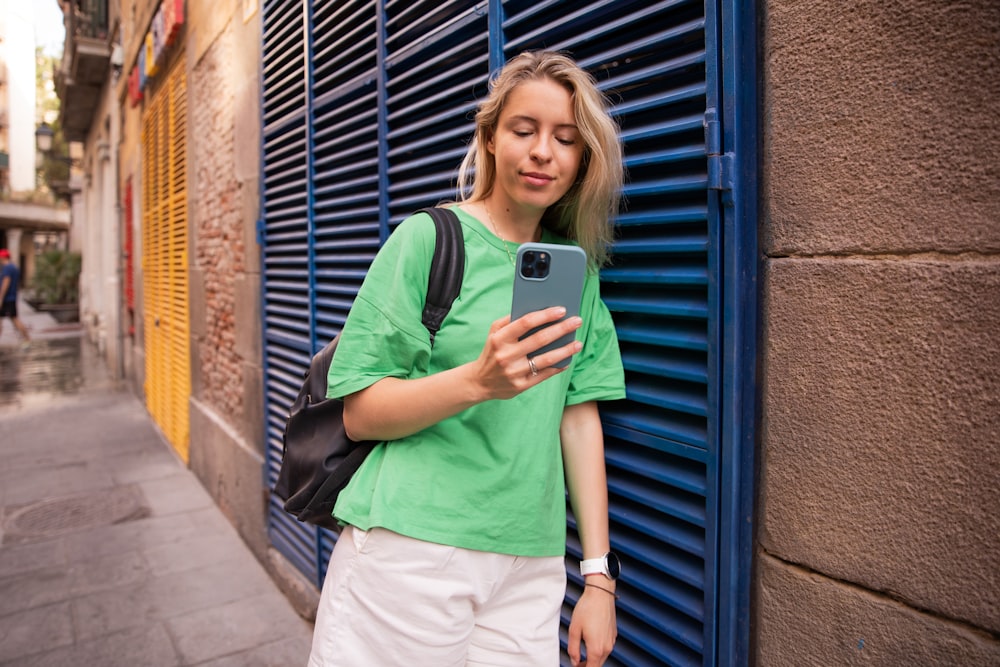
(505, 222)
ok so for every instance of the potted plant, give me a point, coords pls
(56, 284)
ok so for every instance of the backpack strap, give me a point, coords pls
(445, 278)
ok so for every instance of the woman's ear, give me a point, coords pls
(490, 144)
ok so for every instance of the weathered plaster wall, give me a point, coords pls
(879, 487)
(227, 427)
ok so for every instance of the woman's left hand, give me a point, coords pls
(594, 623)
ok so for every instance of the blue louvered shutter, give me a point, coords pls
(437, 64)
(367, 111)
(345, 118)
(287, 253)
(650, 59)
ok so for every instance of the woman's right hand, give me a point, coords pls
(503, 369)
(394, 408)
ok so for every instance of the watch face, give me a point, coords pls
(614, 565)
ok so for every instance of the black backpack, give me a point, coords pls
(318, 458)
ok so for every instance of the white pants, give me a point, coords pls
(391, 600)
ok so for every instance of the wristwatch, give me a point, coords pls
(609, 565)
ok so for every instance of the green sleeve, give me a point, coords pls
(383, 335)
(597, 373)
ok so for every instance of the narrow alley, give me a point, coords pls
(111, 552)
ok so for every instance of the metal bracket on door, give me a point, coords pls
(720, 165)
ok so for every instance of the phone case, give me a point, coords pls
(562, 284)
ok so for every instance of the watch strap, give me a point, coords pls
(593, 566)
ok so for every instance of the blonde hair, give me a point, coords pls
(585, 213)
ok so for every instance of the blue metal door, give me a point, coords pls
(366, 115)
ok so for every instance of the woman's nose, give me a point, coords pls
(541, 150)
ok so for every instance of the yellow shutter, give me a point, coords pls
(165, 259)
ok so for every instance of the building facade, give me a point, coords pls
(29, 220)
(878, 531)
(804, 471)
(17, 99)
(89, 118)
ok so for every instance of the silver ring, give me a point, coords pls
(533, 367)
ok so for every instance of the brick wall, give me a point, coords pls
(219, 252)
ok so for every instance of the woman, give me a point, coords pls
(454, 541)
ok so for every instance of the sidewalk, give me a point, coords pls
(111, 552)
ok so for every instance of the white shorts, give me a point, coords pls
(393, 600)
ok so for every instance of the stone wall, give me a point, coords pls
(227, 424)
(879, 511)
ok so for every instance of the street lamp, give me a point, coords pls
(57, 167)
(43, 137)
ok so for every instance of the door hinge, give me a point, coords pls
(720, 172)
(261, 230)
(720, 165)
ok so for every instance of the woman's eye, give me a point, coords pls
(565, 142)
(522, 133)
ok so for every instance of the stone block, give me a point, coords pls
(192, 553)
(151, 464)
(187, 575)
(34, 485)
(135, 646)
(108, 572)
(290, 651)
(300, 591)
(43, 588)
(212, 21)
(196, 303)
(21, 559)
(138, 385)
(198, 367)
(241, 626)
(230, 469)
(879, 127)
(248, 317)
(249, 212)
(253, 392)
(34, 631)
(111, 611)
(213, 586)
(880, 424)
(176, 494)
(246, 126)
(803, 618)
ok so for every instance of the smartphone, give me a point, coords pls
(545, 275)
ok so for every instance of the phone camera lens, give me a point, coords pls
(527, 270)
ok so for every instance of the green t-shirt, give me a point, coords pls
(491, 477)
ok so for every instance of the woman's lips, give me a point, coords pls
(534, 178)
